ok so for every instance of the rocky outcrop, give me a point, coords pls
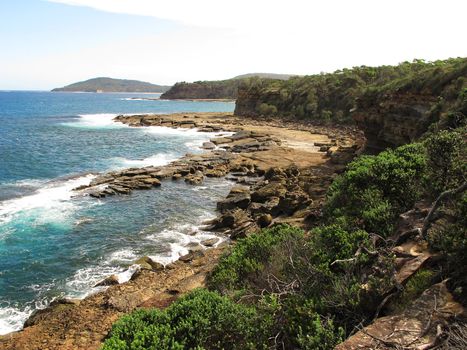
(420, 326)
(394, 119)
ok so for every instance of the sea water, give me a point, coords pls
(57, 243)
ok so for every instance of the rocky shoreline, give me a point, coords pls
(281, 172)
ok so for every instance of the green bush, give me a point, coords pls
(320, 334)
(249, 256)
(447, 160)
(332, 242)
(375, 189)
(415, 286)
(305, 329)
(199, 320)
(267, 109)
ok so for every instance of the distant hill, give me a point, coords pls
(217, 89)
(266, 76)
(113, 85)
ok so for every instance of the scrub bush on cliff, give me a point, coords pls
(375, 189)
(199, 320)
(447, 160)
(242, 265)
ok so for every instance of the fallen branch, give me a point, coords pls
(437, 203)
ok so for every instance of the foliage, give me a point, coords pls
(265, 109)
(415, 286)
(199, 320)
(248, 257)
(375, 189)
(333, 96)
(319, 334)
(332, 242)
(447, 159)
(222, 89)
(449, 237)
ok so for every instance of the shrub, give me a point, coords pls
(375, 189)
(449, 237)
(319, 334)
(415, 286)
(267, 109)
(332, 242)
(249, 256)
(446, 160)
(199, 320)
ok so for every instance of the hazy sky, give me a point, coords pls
(50, 43)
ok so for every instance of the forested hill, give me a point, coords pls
(216, 89)
(334, 97)
(113, 85)
(266, 76)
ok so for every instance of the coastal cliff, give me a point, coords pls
(223, 89)
(401, 111)
(217, 89)
(393, 105)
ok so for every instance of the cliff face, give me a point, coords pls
(403, 110)
(224, 89)
(394, 120)
(393, 105)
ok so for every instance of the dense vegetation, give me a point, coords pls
(265, 76)
(220, 89)
(113, 85)
(216, 89)
(332, 97)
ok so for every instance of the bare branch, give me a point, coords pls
(443, 196)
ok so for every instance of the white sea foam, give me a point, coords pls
(164, 130)
(178, 237)
(96, 121)
(52, 200)
(138, 99)
(155, 160)
(12, 319)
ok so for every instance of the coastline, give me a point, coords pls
(246, 159)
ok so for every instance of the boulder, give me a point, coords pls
(220, 140)
(273, 189)
(120, 189)
(148, 264)
(241, 201)
(218, 172)
(191, 256)
(152, 181)
(194, 247)
(275, 171)
(264, 220)
(109, 281)
(210, 242)
(195, 179)
(236, 190)
(209, 145)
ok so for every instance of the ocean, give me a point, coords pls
(55, 243)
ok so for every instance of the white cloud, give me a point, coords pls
(218, 39)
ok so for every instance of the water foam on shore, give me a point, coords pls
(52, 199)
(96, 121)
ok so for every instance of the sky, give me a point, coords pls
(52, 43)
